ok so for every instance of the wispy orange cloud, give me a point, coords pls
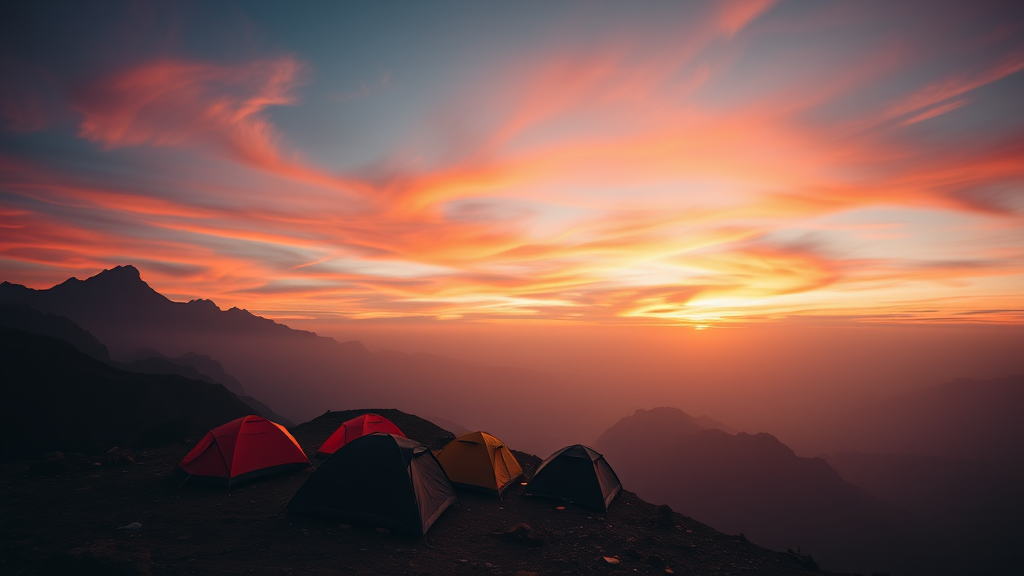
(936, 111)
(200, 104)
(615, 182)
(955, 85)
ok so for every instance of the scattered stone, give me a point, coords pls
(133, 527)
(383, 530)
(344, 526)
(611, 559)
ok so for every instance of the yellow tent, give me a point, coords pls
(479, 461)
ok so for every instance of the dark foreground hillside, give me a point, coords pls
(66, 522)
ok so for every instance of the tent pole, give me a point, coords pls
(180, 485)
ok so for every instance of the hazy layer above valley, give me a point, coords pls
(787, 378)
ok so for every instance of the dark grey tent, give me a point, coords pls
(378, 478)
(576, 474)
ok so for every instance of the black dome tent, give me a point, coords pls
(378, 478)
(576, 474)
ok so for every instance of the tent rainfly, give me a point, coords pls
(381, 479)
(576, 474)
(479, 461)
(355, 428)
(243, 449)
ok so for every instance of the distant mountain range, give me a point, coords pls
(300, 374)
(754, 484)
(145, 361)
(203, 366)
(33, 321)
(56, 397)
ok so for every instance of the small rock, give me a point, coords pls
(610, 559)
(383, 530)
(488, 565)
(344, 526)
(463, 560)
(133, 527)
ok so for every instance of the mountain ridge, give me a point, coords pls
(299, 372)
(56, 397)
(755, 484)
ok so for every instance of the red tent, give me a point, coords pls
(355, 428)
(245, 448)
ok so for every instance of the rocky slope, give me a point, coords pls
(69, 523)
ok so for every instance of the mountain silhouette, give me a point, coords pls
(33, 321)
(755, 485)
(300, 373)
(203, 365)
(56, 397)
(146, 361)
(198, 367)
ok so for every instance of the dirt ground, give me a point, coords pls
(62, 516)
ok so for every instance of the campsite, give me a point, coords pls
(69, 520)
(715, 288)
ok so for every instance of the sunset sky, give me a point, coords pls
(668, 163)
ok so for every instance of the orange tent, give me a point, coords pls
(243, 449)
(479, 461)
(356, 428)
